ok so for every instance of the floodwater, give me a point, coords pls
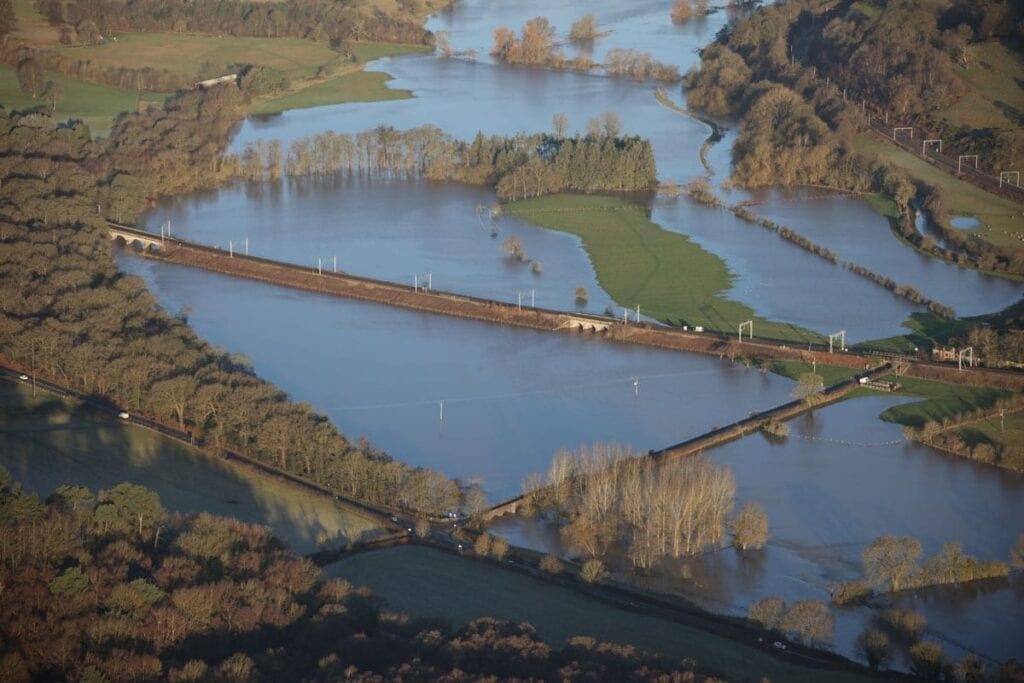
(481, 401)
(45, 442)
(860, 235)
(512, 397)
(397, 230)
(434, 229)
(841, 479)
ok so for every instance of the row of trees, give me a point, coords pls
(535, 46)
(702, 192)
(518, 166)
(607, 499)
(331, 21)
(113, 587)
(953, 434)
(807, 621)
(891, 565)
(67, 312)
(782, 68)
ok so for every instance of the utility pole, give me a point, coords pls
(231, 249)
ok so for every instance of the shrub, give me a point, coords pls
(874, 645)
(551, 564)
(483, 544)
(926, 659)
(850, 592)
(499, 548)
(593, 571)
(906, 623)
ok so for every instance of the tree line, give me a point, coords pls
(535, 46)
(111, 586)
(524, 165)
(309, 19)
(700, 190)
(798, 71)
(953, 435)
(608, 500)
(68, 312)
(891, 564)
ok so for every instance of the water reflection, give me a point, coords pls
(837, 483)
(512, 397)
(54, 444)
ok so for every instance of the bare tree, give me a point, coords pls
(560, 124)
(750, 528)
(809, 621)
(875, 647)
(584, 30)
(768, 612)
(809, 388)
(889, 560)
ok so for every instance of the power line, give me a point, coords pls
(628, 381)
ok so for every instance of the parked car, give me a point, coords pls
(23, 378)
(123, 415)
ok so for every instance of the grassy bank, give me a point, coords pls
(428, 583)
(1000, 218)
(942, 401)
(830, 374)
(96, 105)
(46, 442)
(637, 262)
(355, 86)
(348, 84)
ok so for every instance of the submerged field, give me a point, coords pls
(638, 263)
(429, 583)
(46, 442)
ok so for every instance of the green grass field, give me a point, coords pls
(358, 86)
(205, 56)
(97, 105)
(1000, 218)
(1009, 430)
(994, 72)
(830, 374)
(943, 400)
(637, 262)
(428, 583)
(350, 84)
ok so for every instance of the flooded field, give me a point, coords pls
(46, 442)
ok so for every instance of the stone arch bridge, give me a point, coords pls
(132, 236)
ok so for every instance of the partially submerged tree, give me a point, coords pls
(750, 528)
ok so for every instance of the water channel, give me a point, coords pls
(512, 397)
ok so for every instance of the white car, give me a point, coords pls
(23, 378)
(123, 415)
